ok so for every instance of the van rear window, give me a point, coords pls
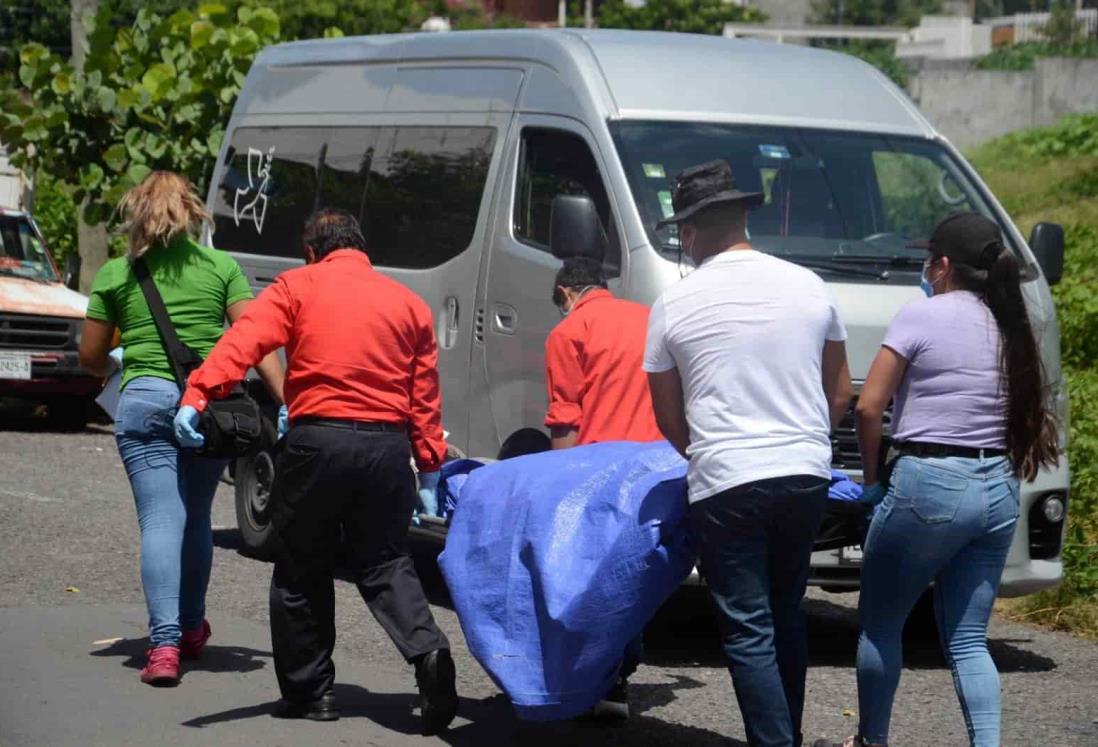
(416, 190)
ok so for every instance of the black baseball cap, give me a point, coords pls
(968, 238)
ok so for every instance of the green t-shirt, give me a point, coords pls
(197, 284)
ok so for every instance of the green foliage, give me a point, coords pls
(1074, 135)
(155, 96)
(1063, 28)
(689, 16)
(55, 214)
(1022, 56)
(1052, 174)
(873, 12)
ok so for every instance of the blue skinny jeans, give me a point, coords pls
(173, 490)
(950, 522)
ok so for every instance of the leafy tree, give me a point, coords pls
(154, 96)
(1063, 28)
(873, 12)
(690, 16)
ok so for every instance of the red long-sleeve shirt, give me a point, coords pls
(593, 370)
(359, 346)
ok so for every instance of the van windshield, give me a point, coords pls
(22, 253)
(832, 199)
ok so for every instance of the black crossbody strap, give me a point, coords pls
(183, 359)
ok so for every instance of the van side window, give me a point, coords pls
(416, 190)
(551, 163)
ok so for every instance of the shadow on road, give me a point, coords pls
(684, 634)
(491, 721)
(215, 658)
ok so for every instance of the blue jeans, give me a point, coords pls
(173, 490)
(949, 521)
(756, 543)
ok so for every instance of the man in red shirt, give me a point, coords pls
(362, 389)
(599, 392)
(597, 389)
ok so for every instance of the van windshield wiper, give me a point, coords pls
(832, 265)
(895, 261)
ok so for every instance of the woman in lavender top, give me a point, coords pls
(970, 420)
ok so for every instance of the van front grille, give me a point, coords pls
(34, 332)
(844, 441)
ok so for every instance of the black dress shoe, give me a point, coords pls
(436, 678)
(321, 709)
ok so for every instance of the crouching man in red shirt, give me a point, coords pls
(362, 389)
(598, 392)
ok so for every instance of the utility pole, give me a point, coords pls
(562, 13)
(91, 241)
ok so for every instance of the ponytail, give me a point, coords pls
(1031, 437)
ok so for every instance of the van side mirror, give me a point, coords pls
(72, 272)
(1047, 243)
(574, 228)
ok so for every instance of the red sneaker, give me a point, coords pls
(162, 670)
(194, 641)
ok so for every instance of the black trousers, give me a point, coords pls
(334, 484)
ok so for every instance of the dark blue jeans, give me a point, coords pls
(756, 544)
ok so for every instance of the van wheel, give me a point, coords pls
(254, 478)
(68, 414)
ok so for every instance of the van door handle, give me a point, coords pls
(450, 330)
(504, 319)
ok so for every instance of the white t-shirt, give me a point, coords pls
(746, 332)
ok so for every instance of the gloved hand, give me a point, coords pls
(283, 421)
(428, 493)
(873, 494)
(186, 428)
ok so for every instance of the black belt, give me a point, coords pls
(351, 425)
(931, 451)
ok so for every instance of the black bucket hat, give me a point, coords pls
(969, 238)
(708, 184)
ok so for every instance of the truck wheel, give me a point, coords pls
(254, 478)
(68, 414)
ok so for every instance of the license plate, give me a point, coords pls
(15, 366)
(851, 555)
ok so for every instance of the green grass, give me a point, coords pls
(1051, 174)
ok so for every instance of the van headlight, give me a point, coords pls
(1054, 508)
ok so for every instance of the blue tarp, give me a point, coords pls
(556, 560)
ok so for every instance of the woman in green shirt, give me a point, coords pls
(173, 488)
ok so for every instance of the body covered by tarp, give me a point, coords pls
(556, 560)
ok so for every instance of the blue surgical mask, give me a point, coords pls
(924, 283)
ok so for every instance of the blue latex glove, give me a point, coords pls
(873, 494)
(428, 493)
(283, 421)
(186, 428)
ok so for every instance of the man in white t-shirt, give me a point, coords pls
(746, 363)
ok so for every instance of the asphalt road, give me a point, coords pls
(72, 628)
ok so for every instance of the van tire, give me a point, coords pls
(68, 414)
(254, 477)
(921, 628)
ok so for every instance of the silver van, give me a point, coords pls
(453, 149)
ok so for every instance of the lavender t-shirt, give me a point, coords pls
(953, 391)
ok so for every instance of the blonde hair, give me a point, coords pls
(159, 209)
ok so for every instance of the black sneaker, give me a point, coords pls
(436, 678)
(321, 709)
(854, 741)
(615, 704)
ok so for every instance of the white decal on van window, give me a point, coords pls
(259, 175)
